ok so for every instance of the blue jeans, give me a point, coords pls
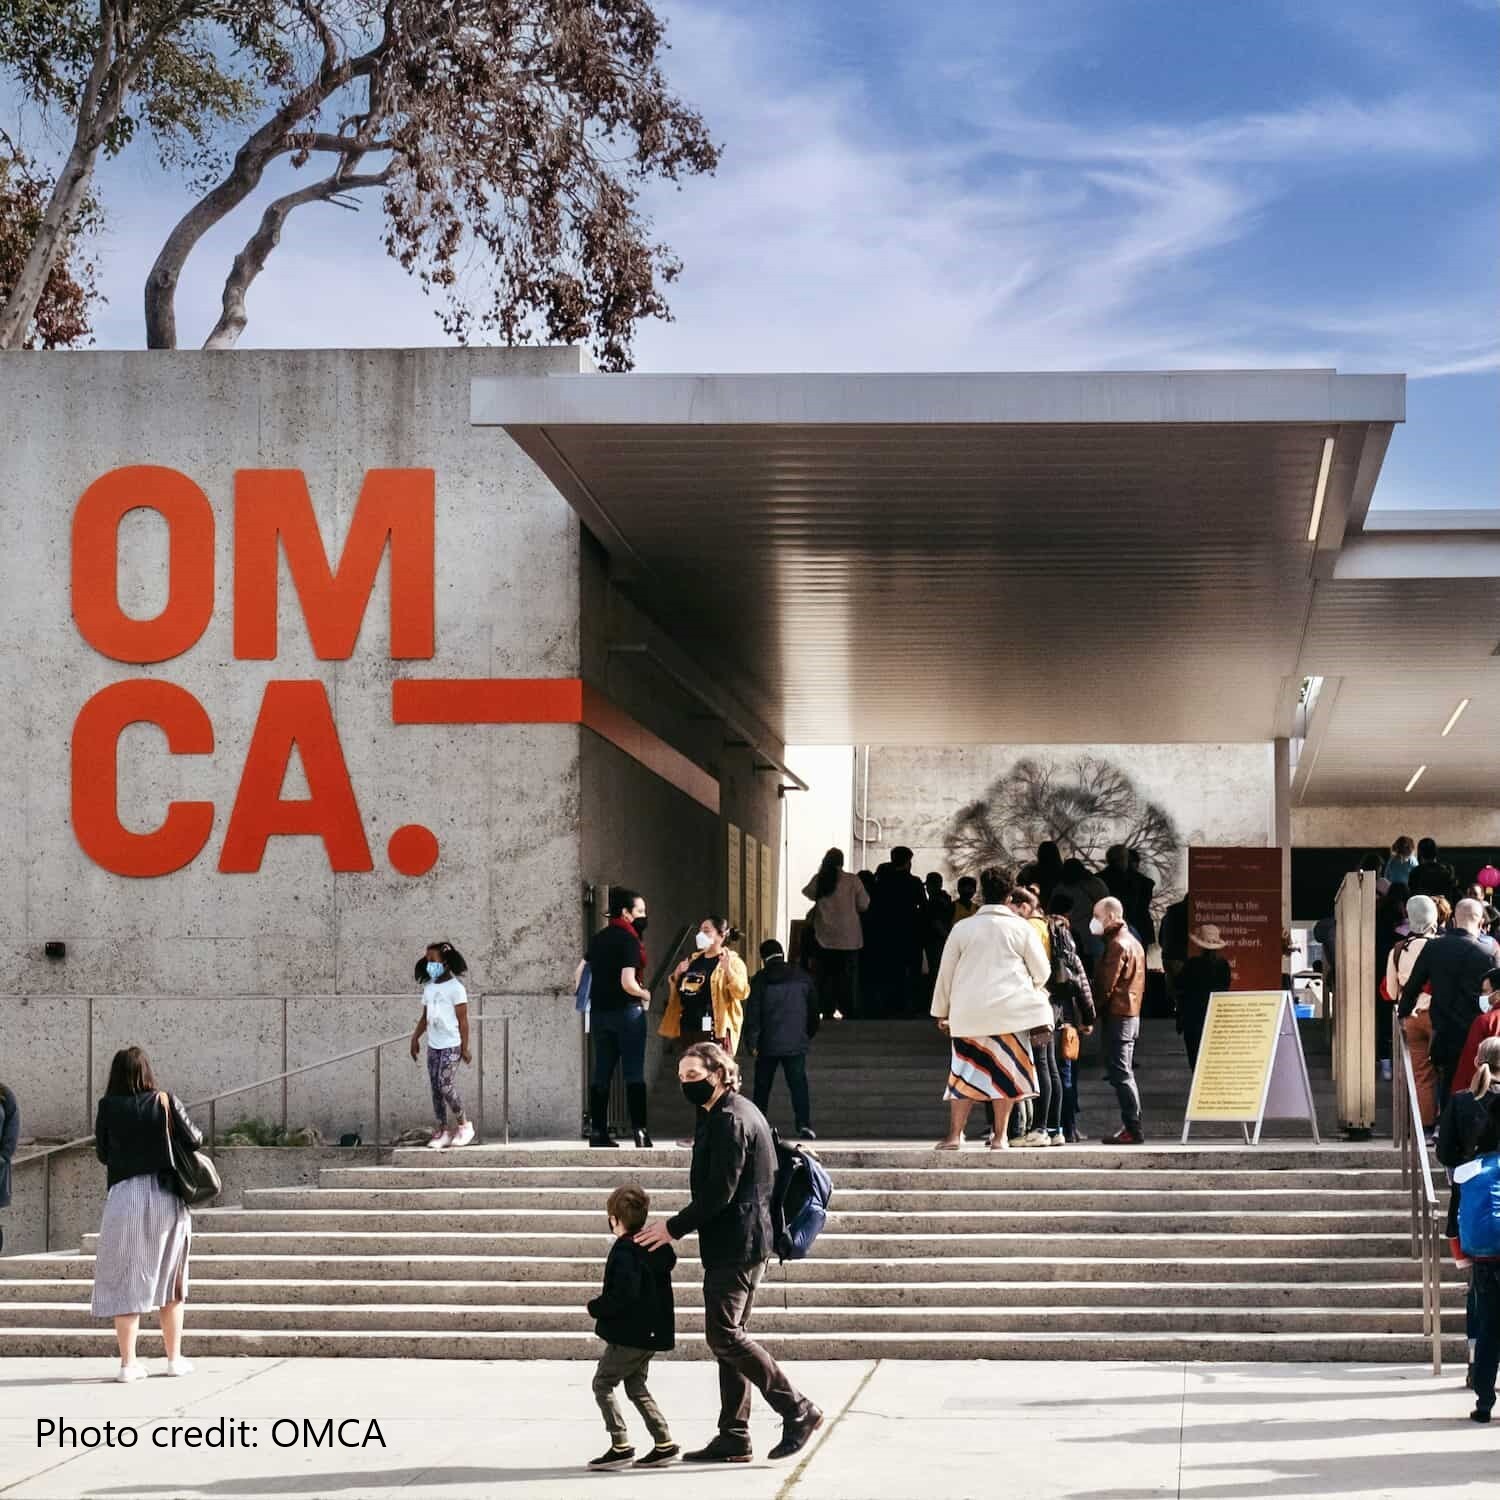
(619, 1037)
(795, 1068)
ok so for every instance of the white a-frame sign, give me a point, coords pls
(1250, 1065)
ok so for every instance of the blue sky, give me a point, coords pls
(1030, 184)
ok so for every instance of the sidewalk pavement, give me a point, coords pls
(895, 1431)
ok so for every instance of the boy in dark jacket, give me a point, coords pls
(781, 1018)
(634, 1316)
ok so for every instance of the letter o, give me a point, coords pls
(276, 1436)
(190, 578)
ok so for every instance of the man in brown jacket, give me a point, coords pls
(1119, 986)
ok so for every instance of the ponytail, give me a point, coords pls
(1487, 1073)
(728, 935)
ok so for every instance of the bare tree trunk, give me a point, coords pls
(251, 261)
(68, 194)
(274, 138)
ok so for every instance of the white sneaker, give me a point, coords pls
(179, 1366)
(1033, 1138)
(1055, 1138)
(128, 1373)
(440, 1142)
(464, 1134)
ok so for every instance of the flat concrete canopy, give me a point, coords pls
(1054, 558)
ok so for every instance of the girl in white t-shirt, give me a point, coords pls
(445, 1019)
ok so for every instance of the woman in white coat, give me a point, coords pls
(990, 995)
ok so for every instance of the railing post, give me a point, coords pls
(47, 1201)
(88, 1067)
(285, 1062)
(505, 1063)
(213, 1126)
(375, 1131)
(479, 1075)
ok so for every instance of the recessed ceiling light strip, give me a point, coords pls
(1416, 776)
(1454, 718)
(1322, 489)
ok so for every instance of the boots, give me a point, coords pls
(635, 1097)
(599, 1114)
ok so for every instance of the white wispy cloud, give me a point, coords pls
(844, 231)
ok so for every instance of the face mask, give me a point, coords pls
(704, 941)
(639, 923)
(434, 969)
(1485, 1002)
(1096, 927)
(698, 1091)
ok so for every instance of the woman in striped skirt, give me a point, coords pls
(989, 997)
(141, 1264)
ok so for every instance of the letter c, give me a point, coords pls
(96, 816)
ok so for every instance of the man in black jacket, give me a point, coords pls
(1454, 965)
(10, 1133)
(734, 1168)
(781, 1019)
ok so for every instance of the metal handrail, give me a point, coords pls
(211, 1103)
(1410, 1139)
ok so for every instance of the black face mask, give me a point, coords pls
(639, 923)
(698, 1091)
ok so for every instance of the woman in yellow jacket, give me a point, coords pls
(707, 998)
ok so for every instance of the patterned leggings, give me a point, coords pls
(442, 1066)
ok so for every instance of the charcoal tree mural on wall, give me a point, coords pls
(1083, 805)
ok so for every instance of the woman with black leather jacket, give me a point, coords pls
(141, 1264)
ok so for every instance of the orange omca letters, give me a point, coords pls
(95, 574)
(96, 817)
(271, 507)
(272, 504)
(295, 715)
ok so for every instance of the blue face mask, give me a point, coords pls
(434, 969)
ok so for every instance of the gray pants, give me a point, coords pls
(630, 1367)
(1120, 1034)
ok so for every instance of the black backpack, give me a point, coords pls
(800, 1197)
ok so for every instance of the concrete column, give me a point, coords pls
(1281, 772)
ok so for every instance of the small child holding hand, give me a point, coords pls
(635, 1318)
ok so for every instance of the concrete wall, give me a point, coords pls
(78, 1188)
(1214, 794)
(1376, 825)
(198, 961)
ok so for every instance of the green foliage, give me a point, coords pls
(258, 1132)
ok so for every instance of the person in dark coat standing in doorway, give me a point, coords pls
(781, 1019)
(734, 1169)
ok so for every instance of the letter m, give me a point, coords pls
(272, 505)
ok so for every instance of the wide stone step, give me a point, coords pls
(988, 1174)
(957, 1228)
(931, 1320)
(832, 1245)
(1040, 1197)
(1157, 1156)
(1308, 1296)
(558, 1264)
(1351, 1348)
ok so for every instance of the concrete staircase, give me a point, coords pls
(883, 1080)
(1216, 1252)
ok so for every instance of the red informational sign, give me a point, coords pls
(1239, 892)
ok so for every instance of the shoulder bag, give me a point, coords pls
(195, 1179)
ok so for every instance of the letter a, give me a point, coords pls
(294, 715)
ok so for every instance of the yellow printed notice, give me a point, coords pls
(736, 912)
(751, 925)
(1234, 1061)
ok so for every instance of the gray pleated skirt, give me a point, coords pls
(142, 1260)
